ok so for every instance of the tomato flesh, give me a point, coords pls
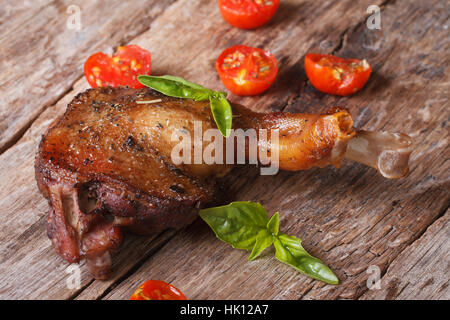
(248, 14)
(157, 290)
(122, 69)
(246, 70)
(334, 75)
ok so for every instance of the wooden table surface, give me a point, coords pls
(353, 219)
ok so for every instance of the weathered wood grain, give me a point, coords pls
(41, 57)
(190, 50)
(37, 39)
(421, 271)
(351, 218)
(29, 267)
(288, 36)
(171, 49)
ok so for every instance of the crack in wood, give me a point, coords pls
(78, 292)
(20, 133)
(340, 46)
(159, 244)
(335, 50)
(360, 175)
(385, 269)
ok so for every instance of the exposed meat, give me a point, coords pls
(105, 166)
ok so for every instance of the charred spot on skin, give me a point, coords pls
(175, 170)
(116, 106)
(159, 126)
(177, 189)
(106, 90)
(130, 142)
(96, 106)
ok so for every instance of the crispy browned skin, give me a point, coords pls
(105, 165)
(305, 140)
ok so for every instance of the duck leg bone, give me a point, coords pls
(387, 152)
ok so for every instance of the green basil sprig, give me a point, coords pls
(246, 225)
(180, 88)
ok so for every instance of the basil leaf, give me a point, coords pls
(222, 93)
(172, 87)
(245, 225)
(177, 87)
(274, 224)
(238, 223)
(290, 251)
(264, 239)
(185, 82)
(222, 113)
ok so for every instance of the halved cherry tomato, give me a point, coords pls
(157, 290)
(248, 14)
(121, 69)
(334, 75)
(246, 71)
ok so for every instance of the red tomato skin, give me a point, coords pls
(322, 78)
(157, 290)
(253, 87)
(247, 18)
(111, 74)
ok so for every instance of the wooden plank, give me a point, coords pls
(331, 19)
(29, 267)
(343, 215)
(351, 218)
(24, 244)
(41, 57)
(421, 270)
(190, 50)
(25, 206)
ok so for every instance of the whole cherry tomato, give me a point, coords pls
(157, 290)
(334, 75)
(121, 69)
(246, 70)
(248, 14)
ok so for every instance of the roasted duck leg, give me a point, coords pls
(105, 166)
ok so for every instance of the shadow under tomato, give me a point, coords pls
(377, 82)
(287, 13)
(290, 78)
